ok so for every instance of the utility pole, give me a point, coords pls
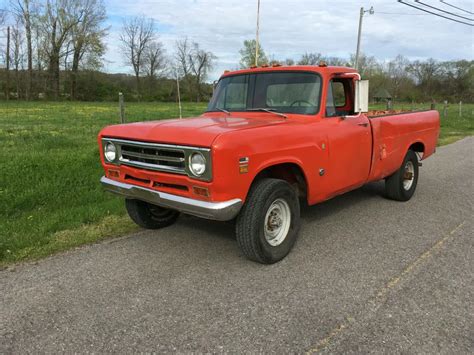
(121, 108)
(361, 18)
(8, 63)
(179, 95)
(258, 33)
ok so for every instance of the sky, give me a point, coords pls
(289, 28)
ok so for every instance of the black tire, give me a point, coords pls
(394, 184)
(251, 224)
(149, 216)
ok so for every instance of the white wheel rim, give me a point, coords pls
(408, 175)
(277, 222)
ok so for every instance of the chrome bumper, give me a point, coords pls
(219, 211)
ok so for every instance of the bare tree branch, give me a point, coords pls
(136, 36)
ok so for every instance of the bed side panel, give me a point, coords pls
(394, 134)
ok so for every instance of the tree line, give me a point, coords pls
(404, 79)
(54, 49)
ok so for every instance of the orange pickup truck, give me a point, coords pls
(270, 138)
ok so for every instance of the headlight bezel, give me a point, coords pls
(106, 152)
(191, 163)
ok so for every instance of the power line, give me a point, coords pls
(456, 7)
(441, 10)
(434, 13)
(400, 14)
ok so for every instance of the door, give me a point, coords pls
(349, 137)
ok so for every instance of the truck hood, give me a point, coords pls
(196, 131)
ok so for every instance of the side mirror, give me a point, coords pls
(361, 101)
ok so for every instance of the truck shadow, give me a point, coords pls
(194, 240)
(345, 201)
(226, 230)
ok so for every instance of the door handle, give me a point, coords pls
(363, 124)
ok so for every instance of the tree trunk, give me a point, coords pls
(137, 79)
(17, 79)
(74, 71)
(198, 88)
(7, 89)
(54, 75)
(29, 85)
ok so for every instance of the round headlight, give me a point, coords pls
(110, 152)
(197, 164)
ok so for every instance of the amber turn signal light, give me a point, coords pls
(201, 191)
(115, 174)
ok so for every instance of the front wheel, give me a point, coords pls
(268, 225)
(149, 216)
(402, 184)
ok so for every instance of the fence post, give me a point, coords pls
(445, 109)
(122, 108)
(460, 108)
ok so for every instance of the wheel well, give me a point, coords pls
(418, 147)
(289, 172)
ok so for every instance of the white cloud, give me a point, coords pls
(291, 27)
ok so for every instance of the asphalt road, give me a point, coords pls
(367, 275)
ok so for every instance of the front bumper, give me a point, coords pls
(219, 211)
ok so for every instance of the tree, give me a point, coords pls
(425, 75)
(310, 59)
(247, 54)
(155, 63)
(23, 10)
(87, 37)
(201, 63)
(183, 51)
(368, 66)
(193, 65)
(3, 16)
(155, 60)
(57, 23)
(17, 53)
(137, 34)
(398, 78)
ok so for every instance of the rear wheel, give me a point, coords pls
(150, 216)
(268, 225)
(402, 184)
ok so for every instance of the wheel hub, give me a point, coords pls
(277, 222)
(408, 175)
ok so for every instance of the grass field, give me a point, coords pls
(50, 196)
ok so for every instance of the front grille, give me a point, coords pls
(153, 157)
(158, 157)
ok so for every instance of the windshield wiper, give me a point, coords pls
(269, 110)
(223, 110)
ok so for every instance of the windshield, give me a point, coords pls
(285, 92)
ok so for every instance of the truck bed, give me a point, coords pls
(394, 132)
(380, 113)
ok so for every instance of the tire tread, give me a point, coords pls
(248, 220)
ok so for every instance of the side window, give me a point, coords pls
(338, 93)
(330, 108)
(338, 102)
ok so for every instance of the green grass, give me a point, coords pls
(50, 196)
